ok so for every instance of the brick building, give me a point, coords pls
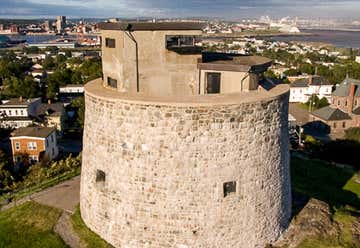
(34, 144)
(344, 110)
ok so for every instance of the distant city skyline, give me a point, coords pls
(227, 9)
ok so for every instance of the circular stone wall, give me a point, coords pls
(156, 175)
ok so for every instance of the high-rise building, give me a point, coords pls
(14, 29)
(47, 25)
(1, 27)
(60, 23)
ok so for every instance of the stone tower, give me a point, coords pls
(183, 148)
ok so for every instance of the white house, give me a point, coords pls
(357, 59)
(302, 89)
(18, 112)
(72, 88)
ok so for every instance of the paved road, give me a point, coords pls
(301, 115)
(65, 196)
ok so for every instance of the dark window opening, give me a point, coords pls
(110, 42)
(112, 82)
(183, 44)
(100, 176)
(213, 83)
(229, 188)
(179, 41)
(344, 125)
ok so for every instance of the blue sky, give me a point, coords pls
(230, 9)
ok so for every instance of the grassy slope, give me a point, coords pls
(335, 186)
(87, 237)
(29, 225)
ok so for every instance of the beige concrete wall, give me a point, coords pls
(231, 81)
(162, 72)
(166, 163)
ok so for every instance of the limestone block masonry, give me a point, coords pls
(163, 167)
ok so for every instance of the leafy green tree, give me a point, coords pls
(79, 104)
(353, 134)
(16, 87)
(60, 59)
(6, 178)
(48, 63)
(52, 49)
(291, 72)
(31, 50)
(317, 103)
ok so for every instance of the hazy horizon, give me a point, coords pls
(226, 9)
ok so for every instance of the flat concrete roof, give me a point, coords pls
(232, 62)
(151, 26)
(96, 89)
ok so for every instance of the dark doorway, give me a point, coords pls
(213, 83)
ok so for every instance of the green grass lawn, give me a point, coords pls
(322, 181)
(336, 186)
(87, 237)
(29, 225)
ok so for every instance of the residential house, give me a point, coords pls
(344, 110)
(52, 115)
(302, 89)
(71, 91)
(33, 144)
(18, 112)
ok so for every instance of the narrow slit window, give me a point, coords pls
(100, 176)
(229, 188)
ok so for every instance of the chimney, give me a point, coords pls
(351, 97)
(20, 98)
(49, 101)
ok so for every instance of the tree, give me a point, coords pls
(60, 59)
(79, 104)
(353, 134)
(16, 87)
(6, 178)
(52, 49)
(48, 63)
(291, 72)
(31, 50)
(317, 103)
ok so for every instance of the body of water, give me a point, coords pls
(345, 39)
(41, 38)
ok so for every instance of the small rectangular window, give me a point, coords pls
(213, 82)
(344, 124)
(112, 82)
(110, 43)
(31, 145)
(229, 188)
(100, 176)
(17, 146)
